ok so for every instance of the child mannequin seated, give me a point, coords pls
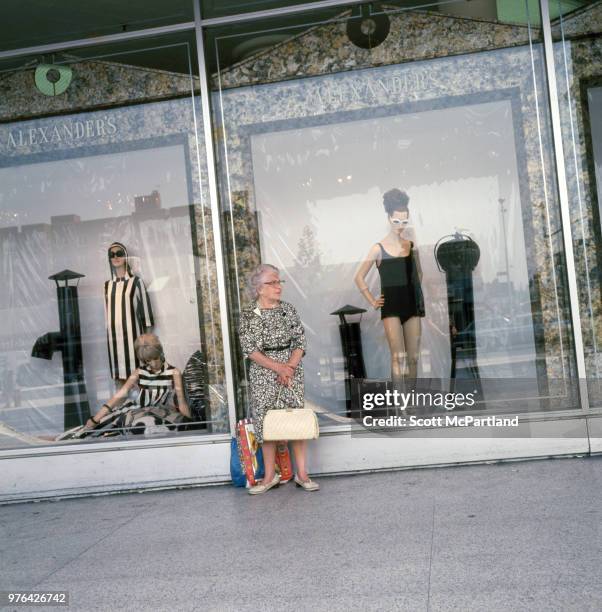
(156, 379)
(154, 410)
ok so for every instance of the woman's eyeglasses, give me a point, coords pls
(275, 283)
(114, 254)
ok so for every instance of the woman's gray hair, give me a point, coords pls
(256, 277)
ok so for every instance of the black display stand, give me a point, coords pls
(69, 342)
(351, 344)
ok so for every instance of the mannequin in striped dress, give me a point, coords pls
(157, 381)
(128, 313)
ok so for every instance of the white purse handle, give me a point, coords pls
(317, 409)
(287, 408)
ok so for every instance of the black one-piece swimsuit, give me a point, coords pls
(400, 286)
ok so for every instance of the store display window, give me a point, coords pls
(105, 250)
(432, 165)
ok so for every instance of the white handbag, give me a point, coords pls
(290, 424)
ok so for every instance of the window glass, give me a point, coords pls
(443, 119)
(222, 8)
(105, 235)
(26, 23)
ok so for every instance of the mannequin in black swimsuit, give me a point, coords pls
(401, 302)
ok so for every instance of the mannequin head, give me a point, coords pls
(396, 202)
(149, 351)
(118, 260)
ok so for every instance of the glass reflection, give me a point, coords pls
(75, 179)
(461, 127)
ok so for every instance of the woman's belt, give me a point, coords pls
(283, 347)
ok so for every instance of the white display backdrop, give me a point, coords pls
(319, 201)
(63, 214)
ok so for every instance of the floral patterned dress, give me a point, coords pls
(276, 332)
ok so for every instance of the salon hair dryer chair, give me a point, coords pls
(457, 255)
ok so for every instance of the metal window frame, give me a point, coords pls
(565, 211)
(277, 12)
(199, 25)
(215, 214)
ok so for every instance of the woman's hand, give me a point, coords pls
(379, 302)
(284, 370)
(285, 381)
(285, 373)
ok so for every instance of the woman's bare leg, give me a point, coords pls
(269, 460)
(300, 454)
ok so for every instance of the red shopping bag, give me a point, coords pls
(283, 462)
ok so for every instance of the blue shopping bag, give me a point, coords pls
(236, 472)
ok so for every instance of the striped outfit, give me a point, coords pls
(156, 388)
(152, 412)
(128, 314)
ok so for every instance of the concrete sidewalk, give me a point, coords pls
(511, 536)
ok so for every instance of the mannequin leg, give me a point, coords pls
(394, 334)
(412, 330)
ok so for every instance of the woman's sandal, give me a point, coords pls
(307, 485)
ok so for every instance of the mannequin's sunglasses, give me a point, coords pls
(399, 221)
(119, 253)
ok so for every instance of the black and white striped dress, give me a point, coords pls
(154, 406)
(129, 313)
(156, 388)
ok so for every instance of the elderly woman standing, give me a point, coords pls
(273, 338)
